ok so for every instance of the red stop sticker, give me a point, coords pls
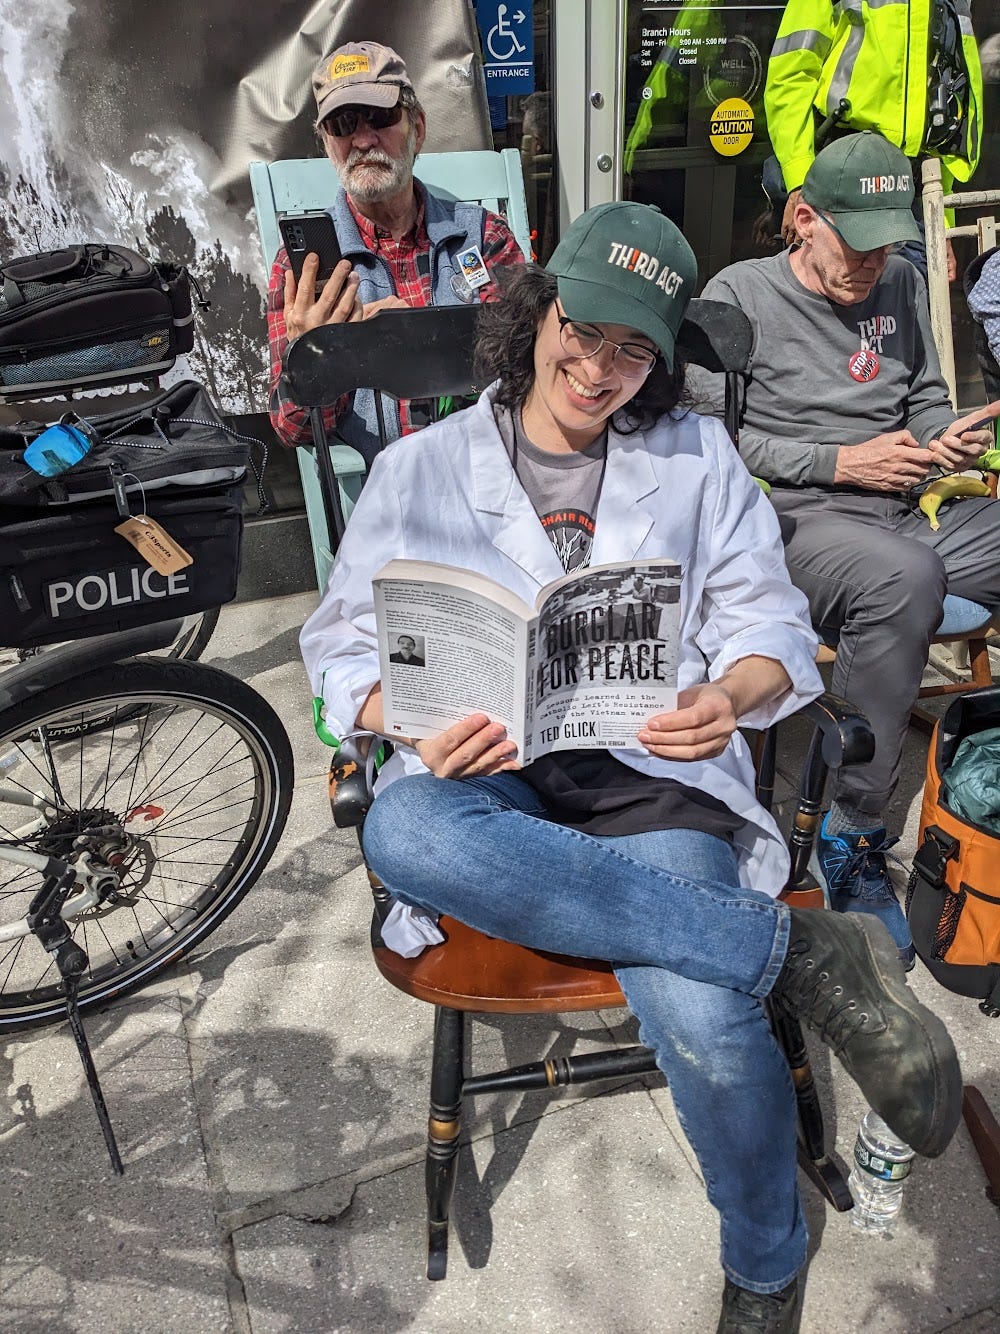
(863, 365)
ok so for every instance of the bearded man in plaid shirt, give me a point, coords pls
(402, 245)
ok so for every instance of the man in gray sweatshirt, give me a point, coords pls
(846, 413)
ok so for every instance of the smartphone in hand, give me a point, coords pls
(977, 421)
(310, 233)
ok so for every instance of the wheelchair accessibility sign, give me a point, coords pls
(507, 36)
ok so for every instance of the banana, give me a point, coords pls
(947, 488)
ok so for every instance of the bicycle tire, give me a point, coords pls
(190, 644)
(189, 758)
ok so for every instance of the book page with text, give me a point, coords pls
(447, 651)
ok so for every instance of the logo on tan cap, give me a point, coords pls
(366, 73)
(342, 67)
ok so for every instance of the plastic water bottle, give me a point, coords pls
(882, 1163)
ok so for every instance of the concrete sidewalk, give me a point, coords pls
(270, 1104)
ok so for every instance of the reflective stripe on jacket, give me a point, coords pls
(875, 53)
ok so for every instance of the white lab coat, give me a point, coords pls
(677, 491)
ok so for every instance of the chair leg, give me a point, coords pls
(979, 663)
(985, 1132)
(821, 1170)
(447, 1072)
(980, 675)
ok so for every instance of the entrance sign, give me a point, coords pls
(507, 35)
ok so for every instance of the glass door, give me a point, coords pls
(662, 101)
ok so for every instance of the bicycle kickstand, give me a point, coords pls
(45, 921)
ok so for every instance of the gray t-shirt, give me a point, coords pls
(591, 790)
(563, 488)
(808, 392)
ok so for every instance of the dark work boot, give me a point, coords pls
(745, 1312)
(843, 978)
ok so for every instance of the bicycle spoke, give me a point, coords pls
(169, 791)
(11, 954)
(100, 927)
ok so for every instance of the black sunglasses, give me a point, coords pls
(345, 121)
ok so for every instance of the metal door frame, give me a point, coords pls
(588, 76)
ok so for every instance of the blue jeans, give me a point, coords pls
(694, 953)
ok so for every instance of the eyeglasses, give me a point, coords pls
(345, 121)
(889, 249)
(584, 340)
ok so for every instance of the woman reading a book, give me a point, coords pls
(656, 856)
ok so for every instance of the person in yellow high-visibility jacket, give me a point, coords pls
(909, 70)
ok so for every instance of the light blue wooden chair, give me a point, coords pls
(298, 185)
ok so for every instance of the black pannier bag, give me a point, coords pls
(65, 572)
(90, 314)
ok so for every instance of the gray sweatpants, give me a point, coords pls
(875, 575)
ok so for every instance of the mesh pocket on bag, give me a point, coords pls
(947, 925)
(149, 348)
(29, 292)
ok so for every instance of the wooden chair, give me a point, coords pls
(471, 973)
(430, 350)
(301, 184)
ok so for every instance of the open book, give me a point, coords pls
(587, 666)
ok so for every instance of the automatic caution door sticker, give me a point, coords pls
(730, 130)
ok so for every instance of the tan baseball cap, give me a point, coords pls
(361, 73)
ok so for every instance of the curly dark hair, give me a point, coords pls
(505, 349)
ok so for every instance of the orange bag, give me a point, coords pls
(953, 898)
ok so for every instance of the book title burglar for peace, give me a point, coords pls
(586, 667)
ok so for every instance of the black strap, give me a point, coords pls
(12, 295)
(948, 82)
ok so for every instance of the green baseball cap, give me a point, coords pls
(625, 263)
(866, 185)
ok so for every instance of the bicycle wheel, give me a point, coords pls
(174, 806)
(195, 632)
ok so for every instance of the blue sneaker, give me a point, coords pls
(853, 866)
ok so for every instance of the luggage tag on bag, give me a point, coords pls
(152, 541)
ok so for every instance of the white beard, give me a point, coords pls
(373, 175)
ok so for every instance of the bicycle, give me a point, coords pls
(157, 790)
(189, 644)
